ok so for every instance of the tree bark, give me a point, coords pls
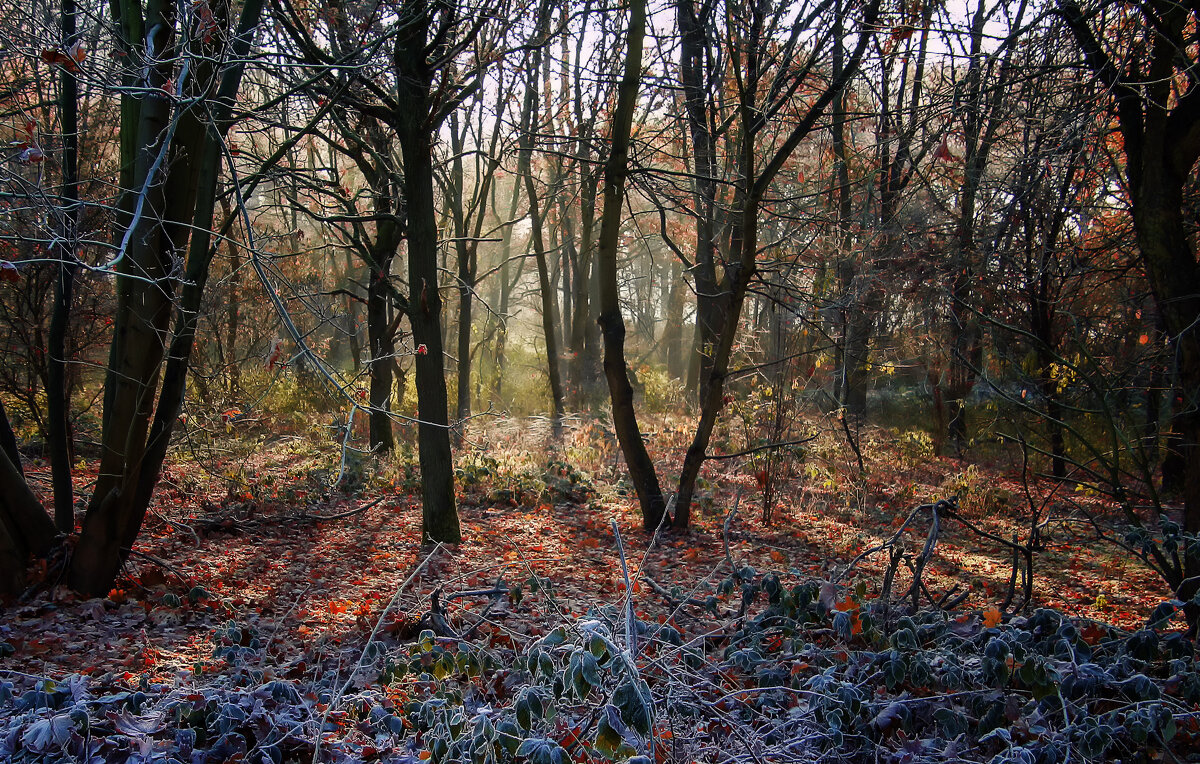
(415, 129)
(1160, 128)
(612, 323)
(694, 74)
(58, 390)
(175, 207)
(550, 319)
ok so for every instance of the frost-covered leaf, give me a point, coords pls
(47, 735)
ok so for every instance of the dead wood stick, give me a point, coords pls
(160, 563)
(340, 515)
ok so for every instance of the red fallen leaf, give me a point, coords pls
(991, 617)
(1092, 633)
(761, 477)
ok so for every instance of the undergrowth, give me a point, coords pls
(762, 666)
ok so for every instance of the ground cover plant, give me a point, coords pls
(285, 618)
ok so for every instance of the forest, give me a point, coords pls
(599, 381)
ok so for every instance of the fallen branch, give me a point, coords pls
(160, 563)
(671, 599)
(756, 449)
(340, 515)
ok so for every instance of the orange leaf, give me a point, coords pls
(991, 617)
(778, 556)
(846, 604)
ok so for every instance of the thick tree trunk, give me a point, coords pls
(176, 208)
(145, 291)
(1161, 136)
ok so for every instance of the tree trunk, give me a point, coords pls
(439, 520)
(1161, 137)
(550, 320)
(506, 284)
(673, 331)
(174, 208)
(693, 45)
(58, 392)
(612, 324)
(382, 363)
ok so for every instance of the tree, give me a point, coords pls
(550, 313)
(177, 104)
(770, 79)
(612, 323)
(1145, 56)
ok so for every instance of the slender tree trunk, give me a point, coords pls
(550, 319)
(233, 314)
(466, 259)
(439, 520)
(673, 331)
(584, 341)
(743, 240)
(58, 393)
(505, 289)
(612, 324)
(693, 75)
(382, 344)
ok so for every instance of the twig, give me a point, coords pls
(496, 593)
(340, 515)
(926, 552)
(370, 638)
(671, 599)
(630, 624)
(725, 530)
(478, 593)
(756, 449)
(853, 443)
(160, 563)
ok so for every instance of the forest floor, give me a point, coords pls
(241, 539)
(268, 615)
